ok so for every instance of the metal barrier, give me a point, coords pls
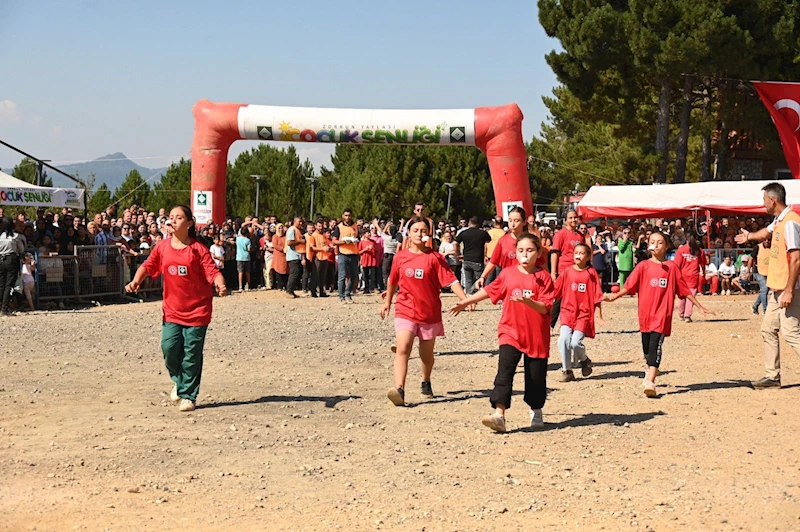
(56, 277)
(718, 254)
(99, 271)
(150, 287)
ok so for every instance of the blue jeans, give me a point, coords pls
(348, 267)
(762, 293)
(570, 345)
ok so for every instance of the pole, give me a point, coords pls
(258, 192)
(449, 195)
(313, 189)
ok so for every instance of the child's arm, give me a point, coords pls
(477, 297)
(141, 274)
(219, 283)
(391, 288)
(538, 306)
(610, 298)
(704, 310)
(599, 309)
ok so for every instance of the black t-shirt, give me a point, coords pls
(472, 242)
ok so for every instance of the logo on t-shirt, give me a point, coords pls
(512, 254)
(183, 270)
(527, 293)
(662, 282)
(574, 286)
(516, 293)
(418, 273)
(582, 287)
(409, 272)
(172, 270)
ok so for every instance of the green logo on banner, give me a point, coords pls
(201, 200)
(457, 134)
(264, 132)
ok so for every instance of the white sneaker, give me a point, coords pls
(186, 405)
(537, 421)
(173, 395)
(495, 421)
(650, 389)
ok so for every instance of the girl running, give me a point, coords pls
(421, 273)
(505, 254)
(188, 272)
(691, 261)
(580, 293)
(657, 281)
(524, 329)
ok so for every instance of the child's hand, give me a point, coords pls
(524, 300)
(610, 297)
(222, 290)
(458, 308)
(601, 321)
(132, 287)
(385, 310)
(707, 312)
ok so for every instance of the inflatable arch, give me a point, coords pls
(495, 130)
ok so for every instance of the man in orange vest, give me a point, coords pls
(783, 309)
(346, 236)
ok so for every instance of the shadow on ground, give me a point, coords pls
(589, 420)
(330, 401)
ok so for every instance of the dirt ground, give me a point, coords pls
(294, 431)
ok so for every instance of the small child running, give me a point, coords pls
(580, 293)
(188, 272)
(524, 330)
(420, 273)
(657, 281)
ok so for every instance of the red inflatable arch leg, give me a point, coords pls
(497, 131)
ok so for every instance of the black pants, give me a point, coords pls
(320, 275)
(370, 278)
(313, 279)
(651, 346)
(295, 275)
(386, 267)
(9, 269)
(535, 378)
(307, 274)
(556, 311)
(280, 280)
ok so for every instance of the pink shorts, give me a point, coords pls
(423, 331)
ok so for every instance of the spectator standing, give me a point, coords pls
(419, 211)
(319, 244)
(310, 271)
(760, 274)
(473, 242)
(295, 256)
(495, 233)
(243, 245)
(217, 251)
(279, 264)
(449, 250)
(625, 246)
(390, 244)
(599, 260)
(345, 236)
(11, 249)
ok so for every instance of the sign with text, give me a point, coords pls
(359, 126)
(202, 202)
(508, 206)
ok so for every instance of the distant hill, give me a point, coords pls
(110, 169)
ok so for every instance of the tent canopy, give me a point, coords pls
(673, 201)
(14, 191)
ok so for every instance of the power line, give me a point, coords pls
(119, 200)
(578, 170)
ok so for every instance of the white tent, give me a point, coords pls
(14, 191)
(669, 201)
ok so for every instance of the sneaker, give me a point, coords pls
(688, 319)
(650, 389)
(682, 318)
(173, 395)
(586, 367)
(426, 389)
(566, 376)
(397, 396)
(766, 382)
(349, 299)
(755, 311)
(537, 421)
(495, 421)
(186, 405)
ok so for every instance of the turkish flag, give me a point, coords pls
(783, 103)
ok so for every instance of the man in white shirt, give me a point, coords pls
(727, 271)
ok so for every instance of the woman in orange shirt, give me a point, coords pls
(279, 265)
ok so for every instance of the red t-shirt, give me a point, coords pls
(564, 242)
(521, 326)
(505, 253)
(580, 292)
(420, 277)
(689, 264)
(188, 275)
(370, 257)
(657, 284)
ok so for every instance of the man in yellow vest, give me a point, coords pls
(783, 309)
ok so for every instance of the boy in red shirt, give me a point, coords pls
(524, 330)
(420, 273)
(580, 293)
(657, 281)
(189, 273)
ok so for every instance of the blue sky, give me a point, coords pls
(81, 79)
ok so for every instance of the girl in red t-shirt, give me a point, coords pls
(657, 281)
(188, 273)
(691, 260)
(420, 273)
(580, 293)
(524, 329)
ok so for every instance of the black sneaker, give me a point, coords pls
(397, 396)
(755, 311)
(426, 389)
(586, 367)
(760, 384)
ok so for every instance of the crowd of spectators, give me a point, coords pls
(303, 256)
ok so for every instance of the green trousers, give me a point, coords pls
(623, 276)
(182, 346)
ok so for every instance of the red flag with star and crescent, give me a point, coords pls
(783, 103)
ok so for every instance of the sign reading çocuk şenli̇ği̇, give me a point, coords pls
(360, 126)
